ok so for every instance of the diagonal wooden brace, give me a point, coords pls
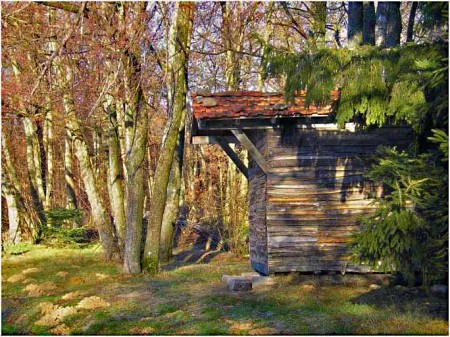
(252, 150)
(234, 157)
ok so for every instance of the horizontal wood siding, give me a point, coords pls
(316, 192)
(257, 206)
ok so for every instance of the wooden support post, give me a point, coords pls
(234, 157)
(252, 150)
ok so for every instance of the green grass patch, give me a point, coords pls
(191, 299)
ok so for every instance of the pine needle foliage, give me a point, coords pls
(377, 86)
(409, 230)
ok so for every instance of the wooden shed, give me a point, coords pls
(306, 184)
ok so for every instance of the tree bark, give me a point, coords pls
(179, 40)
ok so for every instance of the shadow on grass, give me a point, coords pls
(190, 257)
(404, 300)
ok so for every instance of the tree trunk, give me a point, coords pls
(355, 23)
(394, 25)
(13, 212)
(34, 159)
(71, 198)
(232, 64)
(35, 168)
(381, 25)
(172, 208)
(136, 133)
(179, 41)
(369, 20)
(268, 30)
(412, 16)
(48, 145)
(19, 215)
(135, 181)
(389, 24)
(115, 175)
(99, 214)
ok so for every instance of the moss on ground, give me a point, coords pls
(188, 298)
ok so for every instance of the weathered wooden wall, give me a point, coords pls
(257, 194)
(314, 193)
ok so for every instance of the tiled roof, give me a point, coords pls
(234, 104)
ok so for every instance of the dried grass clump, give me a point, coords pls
(61, 329)
(93, 302)
(16, 278)
(53, 314)
(35, 290)
(101, 276)
(31, 271)
(72, 295)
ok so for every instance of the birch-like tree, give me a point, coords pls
(178, 46)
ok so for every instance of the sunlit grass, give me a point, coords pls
(191, 299)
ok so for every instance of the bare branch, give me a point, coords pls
(294, 22)
(57, 51)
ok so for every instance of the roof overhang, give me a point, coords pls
(221, 118)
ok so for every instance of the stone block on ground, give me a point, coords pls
(254, 279)
(239, 284)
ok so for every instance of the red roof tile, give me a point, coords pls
(234, 104)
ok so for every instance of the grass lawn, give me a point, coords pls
(72, 291)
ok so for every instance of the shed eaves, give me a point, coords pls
(235, 104)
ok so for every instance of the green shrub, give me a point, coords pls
(59, 217)
(409, 229)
